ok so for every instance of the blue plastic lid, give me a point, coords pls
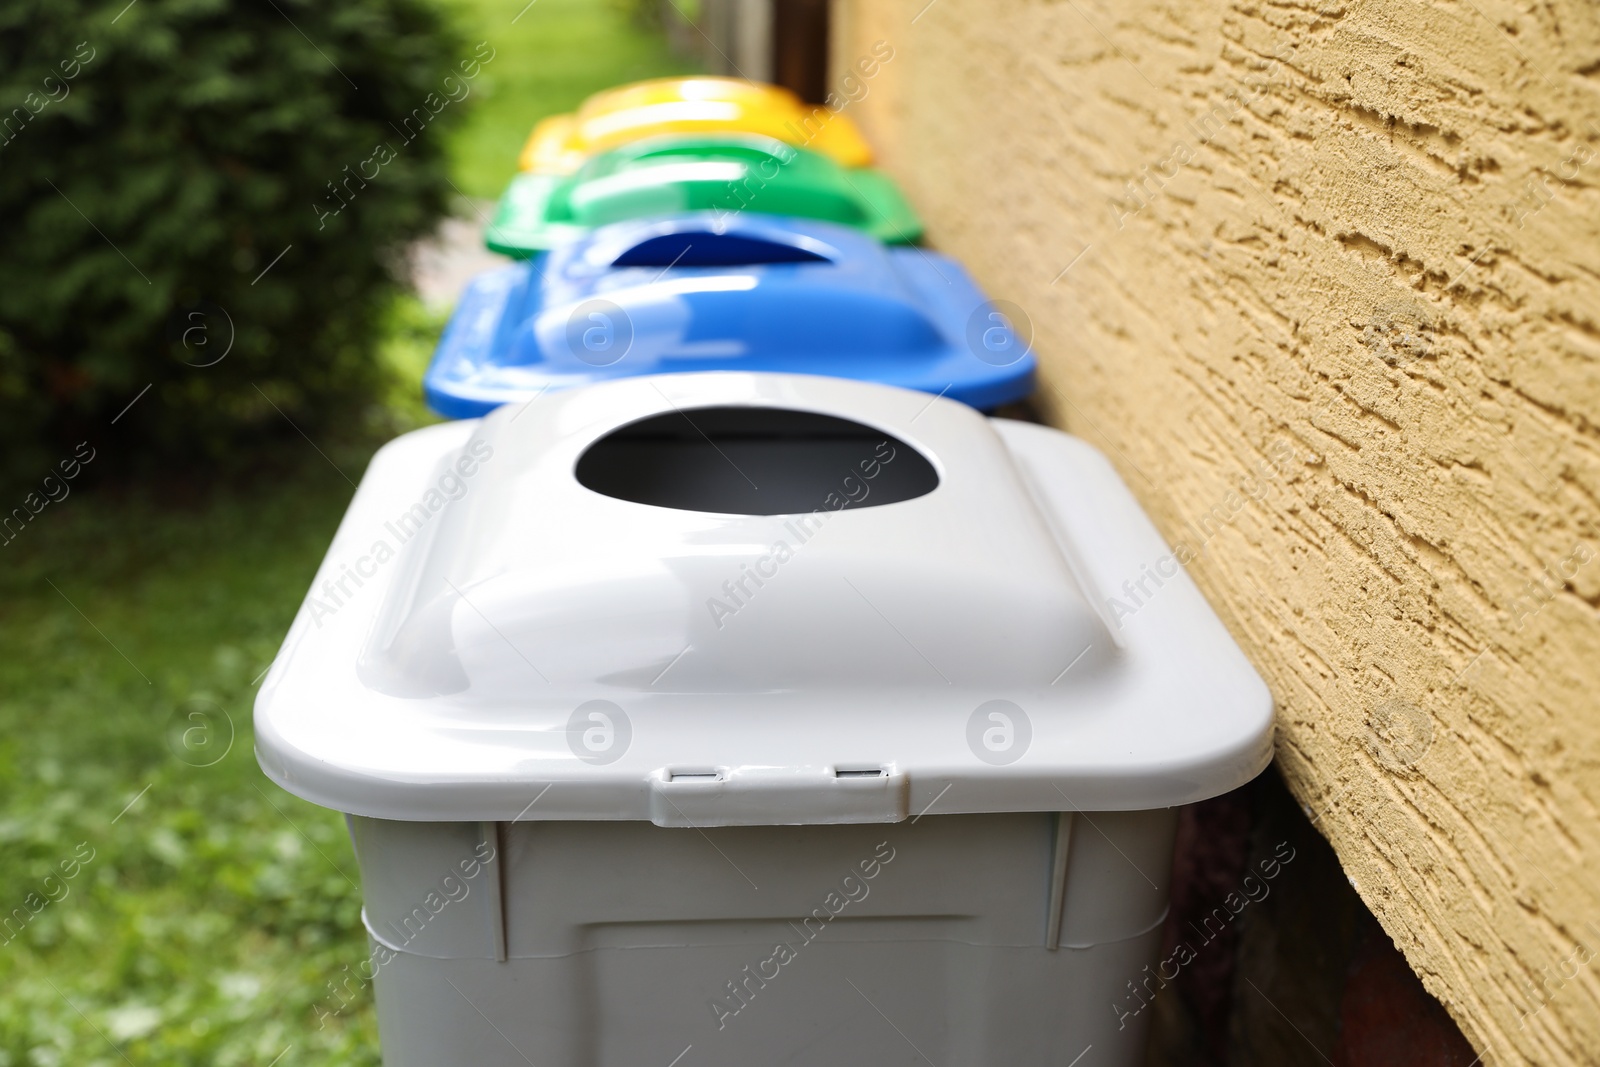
(709, 291)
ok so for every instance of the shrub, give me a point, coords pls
(209, 197)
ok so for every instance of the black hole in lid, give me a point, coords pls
(754, 461)
(712, 250)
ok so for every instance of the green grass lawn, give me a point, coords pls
(554, 53)
(166, 904)
(210, 914)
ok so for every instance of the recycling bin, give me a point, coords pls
(704, 291)
(674, 174)
(695, 105)
(743, 718)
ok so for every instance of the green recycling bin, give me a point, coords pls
(729, 173)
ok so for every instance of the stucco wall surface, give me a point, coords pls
(1323, 280)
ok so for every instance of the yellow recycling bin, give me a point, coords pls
(696, 105)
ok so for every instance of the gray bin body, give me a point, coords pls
(612, 944)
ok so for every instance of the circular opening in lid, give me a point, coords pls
(754, 461)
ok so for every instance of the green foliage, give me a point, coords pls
(646, 14)
(553, 54)
(186, 178)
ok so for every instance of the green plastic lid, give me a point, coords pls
(673, 174)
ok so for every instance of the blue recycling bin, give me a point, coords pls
(718, 291)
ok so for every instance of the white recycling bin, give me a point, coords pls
(741, 718)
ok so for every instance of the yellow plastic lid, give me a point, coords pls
(560, 143)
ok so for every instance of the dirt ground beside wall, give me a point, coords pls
(1323, 280)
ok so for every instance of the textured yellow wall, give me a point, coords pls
(1323, 279)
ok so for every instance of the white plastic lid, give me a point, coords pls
(585, 607)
